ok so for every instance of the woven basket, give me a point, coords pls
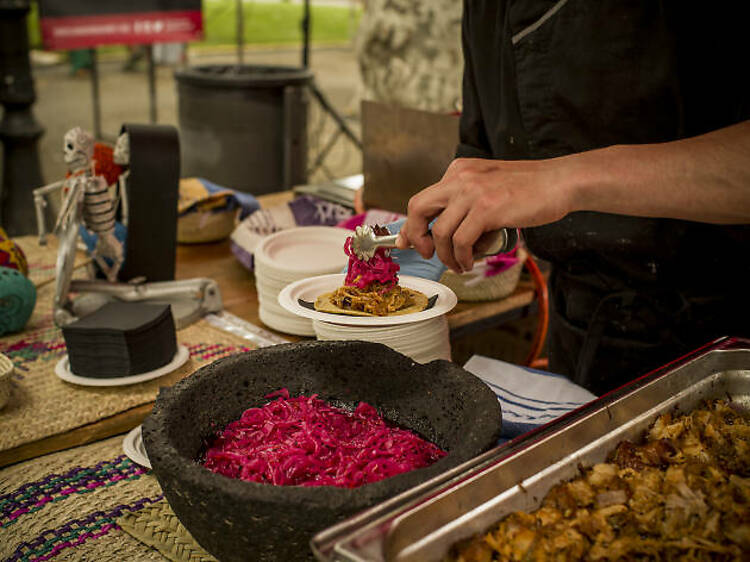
(6, 386)
(499, 286)
(205, 226)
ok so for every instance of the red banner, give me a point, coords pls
(78, 32)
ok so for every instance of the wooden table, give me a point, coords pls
(240, 297)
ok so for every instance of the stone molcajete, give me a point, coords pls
(236, 520)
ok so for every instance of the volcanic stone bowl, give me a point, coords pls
(237, 520)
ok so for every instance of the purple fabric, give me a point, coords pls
(243, 256)
(312, 211)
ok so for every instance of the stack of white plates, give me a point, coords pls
(423, 341)
(291, 255)
(423, 336)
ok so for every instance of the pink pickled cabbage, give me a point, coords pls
(305, 442)
(380, 268)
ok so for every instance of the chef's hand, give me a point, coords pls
(411, 263)
(476, 196)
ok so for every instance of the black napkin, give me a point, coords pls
(121, 339)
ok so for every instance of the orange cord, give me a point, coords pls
(542, 295)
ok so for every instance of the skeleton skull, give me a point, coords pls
(78, 149)
(121, 154)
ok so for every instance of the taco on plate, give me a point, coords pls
(371, 287)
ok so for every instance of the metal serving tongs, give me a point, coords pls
(365, 242)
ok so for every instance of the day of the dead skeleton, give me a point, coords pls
(88, 201)
(121, 157)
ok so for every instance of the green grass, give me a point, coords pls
(264, 23)
(275, 23)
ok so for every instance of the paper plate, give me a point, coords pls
(133, 447)
(415, 335)
(422, 341)
(62, 370)
(422, 334)
(311, 288)
(286, 323)
(309, 250)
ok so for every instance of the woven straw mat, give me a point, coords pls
(157, 526)
(42, 259)
(67, 506)
(42, 405)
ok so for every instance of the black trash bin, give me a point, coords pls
(244, 126)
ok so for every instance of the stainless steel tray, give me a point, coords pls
(422, 524)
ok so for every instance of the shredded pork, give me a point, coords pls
(683, 494)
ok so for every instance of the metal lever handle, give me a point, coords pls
(496, 242)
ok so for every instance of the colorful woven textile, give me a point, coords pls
(302, 211)
(11, 254)
(66, 506)
(36, 410)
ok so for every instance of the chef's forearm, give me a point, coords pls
(704, 178)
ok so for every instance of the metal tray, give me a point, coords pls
(422, 524)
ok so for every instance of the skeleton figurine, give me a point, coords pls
(90, 193)
(121, 157)
(88, 201)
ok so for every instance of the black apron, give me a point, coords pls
(548, 78)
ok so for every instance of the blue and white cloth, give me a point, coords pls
(529, 397)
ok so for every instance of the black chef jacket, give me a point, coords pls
(547, 78)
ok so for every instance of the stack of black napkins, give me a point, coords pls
(121, 339)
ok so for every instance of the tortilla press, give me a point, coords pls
(365, 242)
(191, 299)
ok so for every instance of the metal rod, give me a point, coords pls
(352, 20)
(326, 105)
(324, 152)
(306, 35)
(151, 83)
(240, 33)
(96, 99)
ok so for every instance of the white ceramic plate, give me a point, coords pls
(309, 250)
(133, 447)
(311, 288)
(62, 370)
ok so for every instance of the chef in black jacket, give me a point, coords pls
(616, 134)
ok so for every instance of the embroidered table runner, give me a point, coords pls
(66, 505)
